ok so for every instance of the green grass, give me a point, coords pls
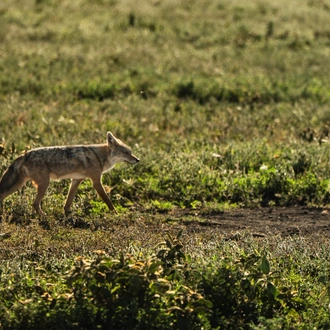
(186, 281)
(226, 103)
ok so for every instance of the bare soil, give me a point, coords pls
(267, 221)
(146, 228)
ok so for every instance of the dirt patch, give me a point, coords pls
(267, 221)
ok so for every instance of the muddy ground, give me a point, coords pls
(267, 221)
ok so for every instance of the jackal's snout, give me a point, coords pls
(133, 160)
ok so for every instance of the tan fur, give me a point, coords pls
(66, 162)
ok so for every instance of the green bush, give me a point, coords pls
(169, 288)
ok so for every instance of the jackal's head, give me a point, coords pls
(120, 152)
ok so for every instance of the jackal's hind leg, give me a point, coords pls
(18, 185)
(11, 181)
(72, 192)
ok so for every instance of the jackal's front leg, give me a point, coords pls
(41, 190)
(100, 190)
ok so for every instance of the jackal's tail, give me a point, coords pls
(12, 179)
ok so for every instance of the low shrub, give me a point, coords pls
(166, 289)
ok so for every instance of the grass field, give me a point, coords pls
(226, 103)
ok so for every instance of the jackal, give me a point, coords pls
(76, 162)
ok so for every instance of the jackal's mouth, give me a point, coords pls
(135, 161)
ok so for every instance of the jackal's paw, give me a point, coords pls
(39, 212)
(67, 212)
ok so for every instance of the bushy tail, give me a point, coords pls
(12, 179)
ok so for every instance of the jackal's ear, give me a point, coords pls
(110, 138)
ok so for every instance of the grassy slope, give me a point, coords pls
(223, 101)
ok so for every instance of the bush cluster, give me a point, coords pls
(168, 289)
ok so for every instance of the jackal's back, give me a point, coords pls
(67, 161)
